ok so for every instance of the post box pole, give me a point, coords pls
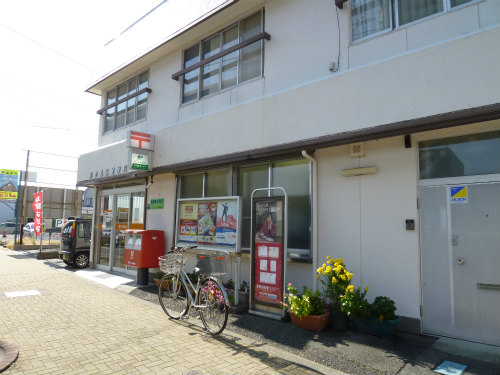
(142, 276)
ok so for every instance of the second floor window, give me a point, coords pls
(129, 111)
(373, 17)
(229, 70)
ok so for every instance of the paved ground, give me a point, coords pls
(65, 324)
(124, 331)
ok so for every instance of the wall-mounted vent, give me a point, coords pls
(357, 150)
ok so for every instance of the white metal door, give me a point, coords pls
(460, 242)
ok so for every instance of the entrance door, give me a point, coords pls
(460, 241)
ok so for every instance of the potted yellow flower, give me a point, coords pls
(335, 278)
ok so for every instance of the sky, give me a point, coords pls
(50, 54)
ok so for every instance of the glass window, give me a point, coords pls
(137, 209)
(192, 186)
(191, 57)
(229, 70)
(249, 179)
(456, 3)
(217, 184)
(413, 10)
(460, 156)
(132, 110)
(293, 176)
(210, 81)
(251, 62)
(370, 17)
(131, 103)
(230, 61)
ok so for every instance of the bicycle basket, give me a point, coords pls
(172, 262)
(214, 264)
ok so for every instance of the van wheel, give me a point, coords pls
(81, 261)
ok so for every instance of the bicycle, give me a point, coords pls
(210, 297)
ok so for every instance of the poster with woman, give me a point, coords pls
(268, 252)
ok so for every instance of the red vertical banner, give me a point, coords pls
(268, 253)
(38, 210)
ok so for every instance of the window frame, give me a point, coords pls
(394, 18)
(125, 100)
(220, 60)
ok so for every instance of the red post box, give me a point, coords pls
(143, 247)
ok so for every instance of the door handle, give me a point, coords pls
(460, 261)
(488, 286)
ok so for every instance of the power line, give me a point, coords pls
(53, 169)
(45, 47)
(48, 153)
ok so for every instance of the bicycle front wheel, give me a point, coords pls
(173, 296)
(213, 306)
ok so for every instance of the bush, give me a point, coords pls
(301, 305)
(354, 304)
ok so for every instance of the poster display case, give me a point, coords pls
(209, 223)
(268, 259)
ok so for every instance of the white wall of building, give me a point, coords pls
(415, 71)
(162, 219)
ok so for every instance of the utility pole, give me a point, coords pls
(18, 207)
(23, 216)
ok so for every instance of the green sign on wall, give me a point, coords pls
(156, 203)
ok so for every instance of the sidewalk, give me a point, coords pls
(329, 351)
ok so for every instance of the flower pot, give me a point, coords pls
(375, 327)
(311, 322)
(340, 320)
(165, 283)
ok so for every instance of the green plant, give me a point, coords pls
(355, 304)
(244, 287)
(301, 305)
(383, 308)
(193, 277)
(335, 279)
(229, 284)
(159, 275)
(230, 297)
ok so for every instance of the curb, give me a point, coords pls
(11, 355)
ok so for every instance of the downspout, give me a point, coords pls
(314, 216)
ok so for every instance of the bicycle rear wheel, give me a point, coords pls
(173, 296)
(213, 306)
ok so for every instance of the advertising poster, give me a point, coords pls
(38, 210)
(188, 222)
(212, 223)
(9, 181)
(227, 223)
(268, 252)
(207, 217)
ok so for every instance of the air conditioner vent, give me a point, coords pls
(357, 150)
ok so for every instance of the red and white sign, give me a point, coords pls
(38, 210)
(141, 141)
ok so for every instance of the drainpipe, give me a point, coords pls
(314, 215)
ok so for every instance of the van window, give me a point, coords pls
(68, 228)
(84, 230)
